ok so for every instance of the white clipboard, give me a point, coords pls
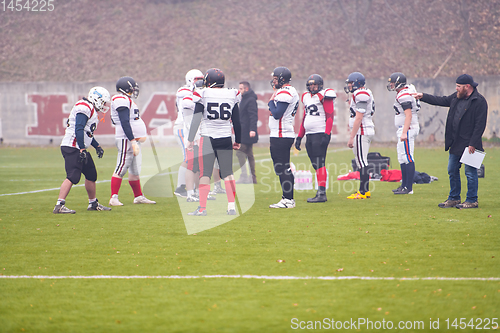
(474, 160)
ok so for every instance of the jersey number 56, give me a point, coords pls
(216, 111)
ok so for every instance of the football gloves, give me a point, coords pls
(83, 157)
(99, 151)
(297, 143)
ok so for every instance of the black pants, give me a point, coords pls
(316, 149)
(246, 151)
(280, 154)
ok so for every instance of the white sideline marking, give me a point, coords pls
(257, 277)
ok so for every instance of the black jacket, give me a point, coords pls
(248, 117)
(472, 121)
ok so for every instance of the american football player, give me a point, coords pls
(406, 121)
(130, 132)
(216, 108)
(79, 136)
(317, 126)
(362, 108)
(283, 106)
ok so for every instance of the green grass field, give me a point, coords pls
(402, 240)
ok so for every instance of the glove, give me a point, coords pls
(297, 143)
(99, 151)
(325, 140)
(136, 148)
(83, 157)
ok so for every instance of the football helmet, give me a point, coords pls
(214, 78)
(314, 79)
(284, 76)
(194, 78)
(128, 86)
(100, 98)
(356, 79)
(398, 79)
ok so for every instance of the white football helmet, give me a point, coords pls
(100, 97)
(194, 76)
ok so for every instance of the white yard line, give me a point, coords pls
(256, 277)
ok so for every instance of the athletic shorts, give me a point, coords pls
(211, 149)
(75, 168)
(280, 153)
(316, 150)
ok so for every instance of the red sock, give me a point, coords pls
(321, 175)
(136, 187)
(230, 190)
(115, 185)
(204, 189)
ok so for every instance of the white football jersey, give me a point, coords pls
(314, 112)
(283, 127)
(69, 139)
(179, 95)
(218, 106)
(405, 100)
(187, 107)
(136, 123)
(362, 101)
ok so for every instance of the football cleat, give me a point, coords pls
(143, 200)
(61, 209)
(231, 212)
(218, 190)
(404, 190)
(320, 197)
(284, 203)
(95, 205)
(113, 201)
(398, 189)
(181, 191)
(198, 212)
(211, 197)
(358, 195)
(192, 198)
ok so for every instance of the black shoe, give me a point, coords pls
(97, 206)
(404, 190)
(181, 191)
(398, 189)
(320, 197)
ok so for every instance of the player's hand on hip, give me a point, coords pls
(83, 156)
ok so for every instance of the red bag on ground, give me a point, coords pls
(391, 175)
